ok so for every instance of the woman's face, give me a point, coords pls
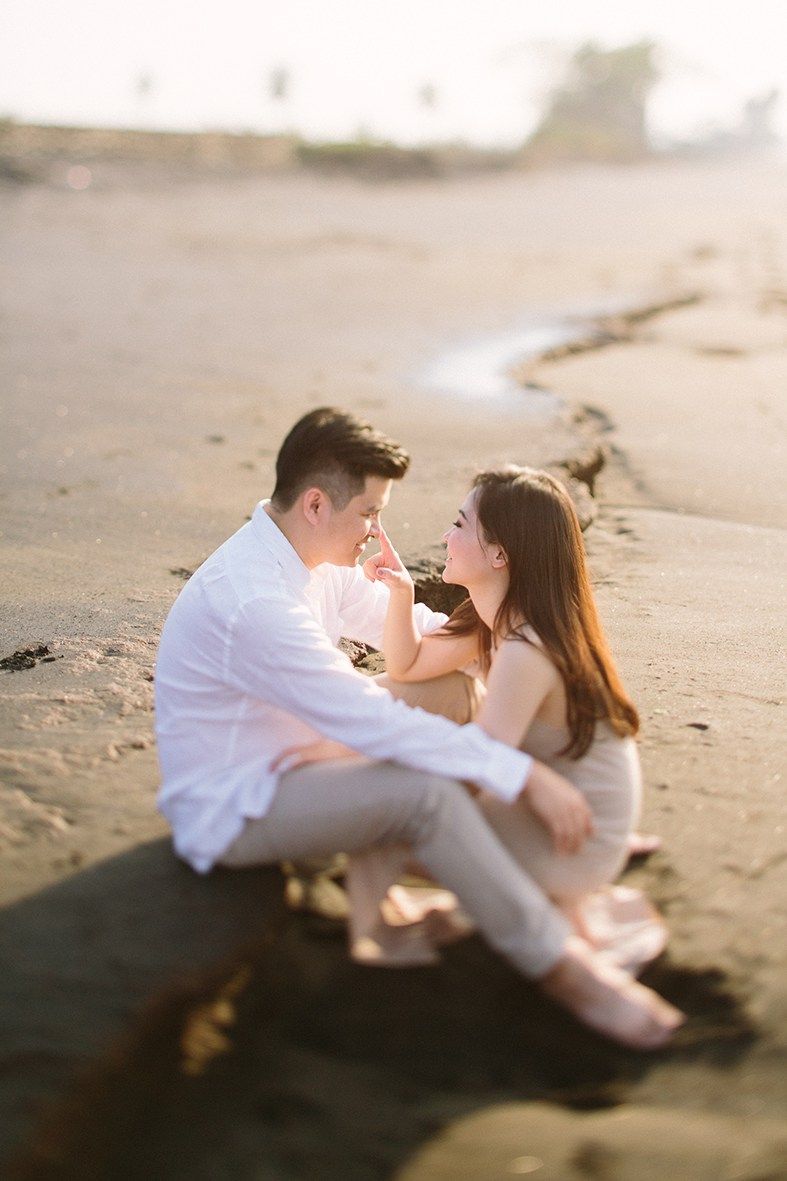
(468, 558)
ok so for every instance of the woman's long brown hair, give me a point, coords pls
(530, 516)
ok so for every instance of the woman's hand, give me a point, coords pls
(560, 808)
(313, 752)
(387, 567)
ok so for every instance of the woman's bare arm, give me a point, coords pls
(409, 656)
(519, 681)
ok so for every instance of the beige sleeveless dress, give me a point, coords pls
(609, 777)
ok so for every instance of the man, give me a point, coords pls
(248, 668)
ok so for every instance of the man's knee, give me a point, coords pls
(437, 797)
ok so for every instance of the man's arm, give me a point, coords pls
(364, 605)
(279, 654)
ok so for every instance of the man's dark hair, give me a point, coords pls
(335, 451)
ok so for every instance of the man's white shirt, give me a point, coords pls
(248, 667)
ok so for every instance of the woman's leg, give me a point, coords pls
(455, 696)
(618, 921)
(564, 877)
(369, 876)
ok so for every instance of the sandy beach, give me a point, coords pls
(161, 330)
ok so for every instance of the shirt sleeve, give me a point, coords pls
(278, 653)
(364, 605)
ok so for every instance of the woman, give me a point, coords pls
(526, 657)
(530, 630)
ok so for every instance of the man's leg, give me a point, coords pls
(353, 805)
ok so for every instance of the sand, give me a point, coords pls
(161, 330)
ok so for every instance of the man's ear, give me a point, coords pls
(314, 503)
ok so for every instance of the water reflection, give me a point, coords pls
(483, 367)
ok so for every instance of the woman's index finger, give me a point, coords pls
(385, 541)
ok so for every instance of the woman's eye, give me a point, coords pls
(457, 524)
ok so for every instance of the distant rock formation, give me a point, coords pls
(598, 111)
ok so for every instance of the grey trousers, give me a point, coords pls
(391, 813)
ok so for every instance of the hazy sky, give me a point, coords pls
(360, 64)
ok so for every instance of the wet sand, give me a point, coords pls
(160, 333)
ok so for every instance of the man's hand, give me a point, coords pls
(560, 808)
(319, 751)
(387, 567)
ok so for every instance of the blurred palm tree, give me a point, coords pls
(279, 83)
(427, 95)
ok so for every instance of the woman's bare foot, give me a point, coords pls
(411, 904)
(621, 925)
(435, 911)
(395, 947)
(642, 844)
(609, 1001)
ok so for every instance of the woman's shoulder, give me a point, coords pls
(531, 635)
(522, 647)
(524, 632)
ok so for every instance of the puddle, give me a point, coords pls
(483, 366)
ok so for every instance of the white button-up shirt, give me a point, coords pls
(248, 666)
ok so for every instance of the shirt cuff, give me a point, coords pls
(506, 772)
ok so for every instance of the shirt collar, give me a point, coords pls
(268, 532)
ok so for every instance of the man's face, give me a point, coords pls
(347, 530)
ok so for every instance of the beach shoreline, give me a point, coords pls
(185, 328)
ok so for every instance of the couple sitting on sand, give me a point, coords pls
(520, 800)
